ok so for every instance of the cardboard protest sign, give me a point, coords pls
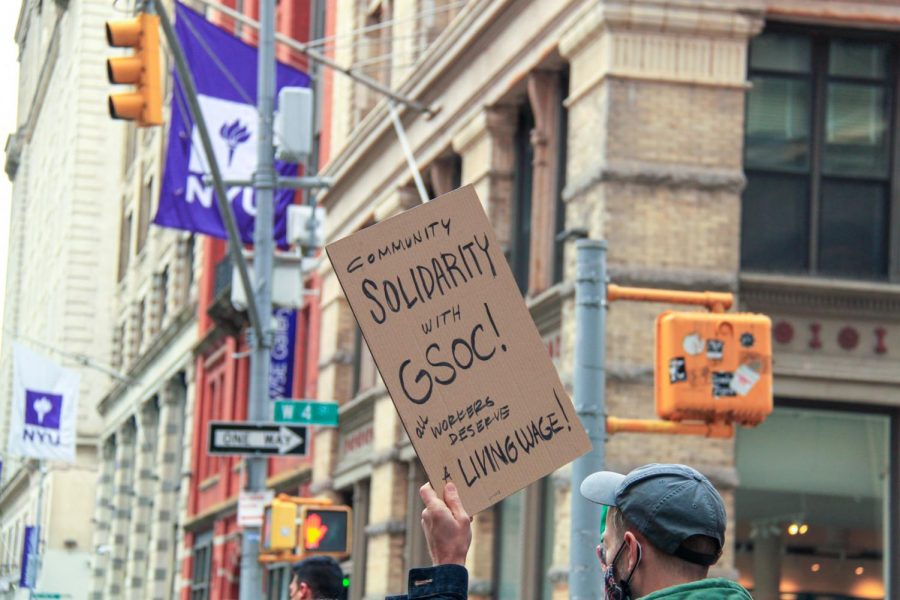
(457, 349)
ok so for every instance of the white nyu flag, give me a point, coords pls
(44, 407)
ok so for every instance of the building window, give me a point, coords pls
(521, 233)
(118, 346)
(138, 343)
(365, 374)
(278, 578)
(130, 147)
(373, 53)
(144, 214)
(163, 297)
(201, 566)
(559, 209)
(817, 154)
(509, 547)
(416, 547)
(802, 531)
(525, 537)
(434, 17)
(124, 245)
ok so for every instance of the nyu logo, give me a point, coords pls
(43, 413)
(234, 149)
(43, 409)
(234, 135)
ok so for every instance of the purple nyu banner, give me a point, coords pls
(224, 71)
(281, 361)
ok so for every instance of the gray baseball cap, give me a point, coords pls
(666, 503)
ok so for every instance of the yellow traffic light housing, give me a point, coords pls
(325, 531)
(714, 367)
(141, 69)
(279, 527)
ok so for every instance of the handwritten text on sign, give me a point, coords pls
(457, 349)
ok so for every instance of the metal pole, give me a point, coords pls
(234, 239)
(265, 179)
(585, 582)
(407, 151)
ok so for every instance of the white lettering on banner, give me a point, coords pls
(204, 194)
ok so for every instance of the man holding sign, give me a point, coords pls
(457, 349)
(664, 529)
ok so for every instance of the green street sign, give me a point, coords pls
(306, 412)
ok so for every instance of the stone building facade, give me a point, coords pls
(660, 127)
(59, 281)
(143, 479)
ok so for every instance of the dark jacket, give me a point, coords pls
(443, 582)
(451, 582)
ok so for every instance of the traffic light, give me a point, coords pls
(141, 69)
(324, 530)
(279, 526)
(713, 367)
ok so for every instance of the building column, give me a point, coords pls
(181, 552)
(386, 530)
(103, 512)
(121, 511)
(142, 501)
(545, 97)
(335, 377)
(486, 147)
(767, 555)
(165, 498)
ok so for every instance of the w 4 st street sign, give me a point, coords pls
(306, 412)
(267, 439)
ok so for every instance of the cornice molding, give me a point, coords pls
(824, 296)
(725, 18)
(657, 174)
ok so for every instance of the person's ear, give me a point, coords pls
(631, 545)
(600, 554)
(305, 591)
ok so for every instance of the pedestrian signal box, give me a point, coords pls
(324, 530)
(140, 69)
(279, 527)
(713, 367)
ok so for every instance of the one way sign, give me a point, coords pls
(232, 438)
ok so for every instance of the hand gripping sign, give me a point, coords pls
(457, 349)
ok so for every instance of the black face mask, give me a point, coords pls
(619, 589)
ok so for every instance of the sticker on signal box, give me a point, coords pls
(744, 379)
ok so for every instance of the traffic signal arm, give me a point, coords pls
(714, 301)
(710, 430)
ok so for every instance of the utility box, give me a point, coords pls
(713, 367)
(294, 124)
(288, 276)
(300, 225)
(279, 532)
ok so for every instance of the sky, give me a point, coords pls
(9, 78)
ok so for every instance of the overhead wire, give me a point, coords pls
(389, 23)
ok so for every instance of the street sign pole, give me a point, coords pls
(590, 405)
(264, 183)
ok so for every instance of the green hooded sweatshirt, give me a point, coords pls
(706, 589)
